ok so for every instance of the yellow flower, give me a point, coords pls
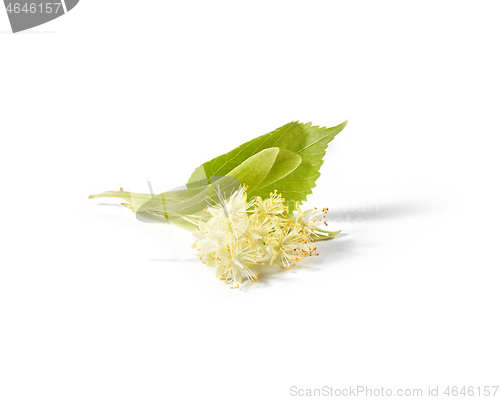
(210, 237)
(258, 232)
(275, 204)
(235, 261)
(286, 246)
(234, 209)
(312, 221)
(235, 239)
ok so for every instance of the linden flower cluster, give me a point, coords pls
(240, 235)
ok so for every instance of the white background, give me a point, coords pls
(95, 304)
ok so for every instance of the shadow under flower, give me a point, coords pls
(377, 211)
(330, 250)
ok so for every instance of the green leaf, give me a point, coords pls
(138, 200)
(181, 207)
(287, 159)
(255, 169)
(307, 141)
(189, 211)
(142, 202)
(286, 162)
